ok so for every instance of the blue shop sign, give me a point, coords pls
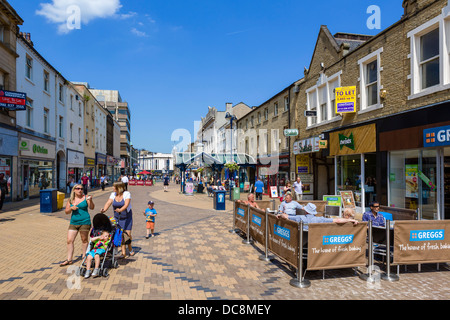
(436, 137)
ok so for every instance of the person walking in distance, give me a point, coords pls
(166, 183)
(85, 182)
(298, 189)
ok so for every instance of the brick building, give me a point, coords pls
(379, 150)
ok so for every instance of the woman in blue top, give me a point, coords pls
(121, 202)
(80, 221)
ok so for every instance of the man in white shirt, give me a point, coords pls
(298, 189)
(125, 181)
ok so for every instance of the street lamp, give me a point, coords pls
(231, 117)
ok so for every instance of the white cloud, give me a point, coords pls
(138, 33)
(69, 13)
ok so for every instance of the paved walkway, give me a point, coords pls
(192, 257)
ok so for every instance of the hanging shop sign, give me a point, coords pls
(346, 99)
(290, 132)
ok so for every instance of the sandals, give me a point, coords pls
(66, 263)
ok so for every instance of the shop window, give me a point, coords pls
(349, 175)
(412, 181)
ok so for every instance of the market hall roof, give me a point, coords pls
(187, 158)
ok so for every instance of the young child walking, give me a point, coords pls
(150, 214)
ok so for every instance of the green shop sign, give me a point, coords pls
(39, 149)
(348, 142)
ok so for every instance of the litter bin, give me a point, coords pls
(219, 199)
(61, 196)
(49, 200)
(236, 195)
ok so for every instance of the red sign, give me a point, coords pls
(13, 100)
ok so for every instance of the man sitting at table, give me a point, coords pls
(310, 217)
(376, 217)
(288, 206)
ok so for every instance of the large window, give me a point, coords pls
(349, 175)
(430, 56)
(412, 181)
(312, 106)
(321, 98)
(429, 59)
(370, 83)
(29, 68)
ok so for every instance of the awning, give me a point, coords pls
(187, 158)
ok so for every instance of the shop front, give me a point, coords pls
(417, 148)
(354, 150)
(89, 167)
(36, 166)
(274, 173)
(304, 150)
(75, 164)
(100, 163)
(8, 156)
(112, 171)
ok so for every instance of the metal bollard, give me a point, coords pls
(369, 276)
(248, 241)
(234, 218)
(388, 276)
(300, 282)
(265, 256)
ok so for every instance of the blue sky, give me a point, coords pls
(172, 59)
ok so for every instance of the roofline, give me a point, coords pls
(13, 13)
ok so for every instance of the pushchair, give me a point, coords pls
(101, 223)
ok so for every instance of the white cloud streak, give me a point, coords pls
(61, 11)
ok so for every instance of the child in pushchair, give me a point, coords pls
(102, 244)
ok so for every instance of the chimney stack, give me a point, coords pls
(27, 37)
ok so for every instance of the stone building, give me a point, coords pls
(391, 147)
(261, 135)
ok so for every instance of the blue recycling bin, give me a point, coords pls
(49, 200)
(219, 199)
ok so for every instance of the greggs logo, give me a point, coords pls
(426, 235)
(435, 137)
(337, 239)
(282, 232)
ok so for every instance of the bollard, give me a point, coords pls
(369, 276)
(388, 276)
(248, 241)
(234, 218)
(300, 282)
(265, 256)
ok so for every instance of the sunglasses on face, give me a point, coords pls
(78, 188)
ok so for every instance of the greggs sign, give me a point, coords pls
(436, 137)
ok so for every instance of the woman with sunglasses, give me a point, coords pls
(120, 200)
(80, 222)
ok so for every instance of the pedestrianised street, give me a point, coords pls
(193, 256)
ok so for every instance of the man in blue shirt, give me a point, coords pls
(310, 217)
(377, 218)
(259, 189)
(288, 206)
